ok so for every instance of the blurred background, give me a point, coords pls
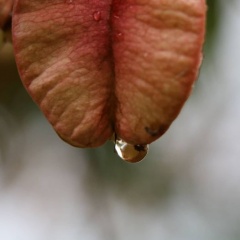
(187, 188)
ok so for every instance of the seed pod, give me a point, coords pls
(99, 67)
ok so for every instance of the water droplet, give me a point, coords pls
(119, 36)
(97, 16)
(1, 39)
(130, 153)
(116, 16)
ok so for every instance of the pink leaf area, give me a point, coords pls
(99, 67)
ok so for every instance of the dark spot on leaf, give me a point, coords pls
(156, 132)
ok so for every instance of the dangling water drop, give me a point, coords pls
(130, 153)
(97, 16)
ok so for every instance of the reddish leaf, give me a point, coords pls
(95, 67)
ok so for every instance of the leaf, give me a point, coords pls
(99, 67)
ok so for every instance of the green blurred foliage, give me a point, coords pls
(212, 20)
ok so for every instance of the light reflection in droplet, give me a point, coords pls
(119, 36)
(97, 16)
(130, 153)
